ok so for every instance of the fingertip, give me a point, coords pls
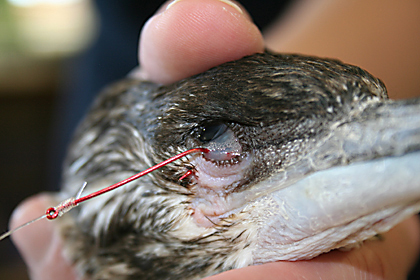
(32, 240)
(40, 243)
(193, 36)
(400, 249)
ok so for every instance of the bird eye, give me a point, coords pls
(212, 132)
(221, 142)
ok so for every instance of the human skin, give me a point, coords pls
(188, 38)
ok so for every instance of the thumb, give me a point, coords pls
(187, 37)
(39, 243)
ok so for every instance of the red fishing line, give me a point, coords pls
(65, 206)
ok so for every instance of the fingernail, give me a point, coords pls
(228, 2)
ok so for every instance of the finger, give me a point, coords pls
(389, 258)
(190, 36)
(39, 243)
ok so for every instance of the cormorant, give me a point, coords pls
(306, 155)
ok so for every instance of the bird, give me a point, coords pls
(306, 155)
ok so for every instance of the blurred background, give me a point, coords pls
(55, 55)
(37, 40)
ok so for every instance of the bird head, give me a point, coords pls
(305, 155)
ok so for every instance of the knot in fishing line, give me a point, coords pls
(65, 206)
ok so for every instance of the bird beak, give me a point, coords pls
(362, 180)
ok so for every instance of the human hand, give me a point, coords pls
(190, 37)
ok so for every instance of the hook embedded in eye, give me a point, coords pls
(221, 142)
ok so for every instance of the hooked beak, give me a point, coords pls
(363, 179)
